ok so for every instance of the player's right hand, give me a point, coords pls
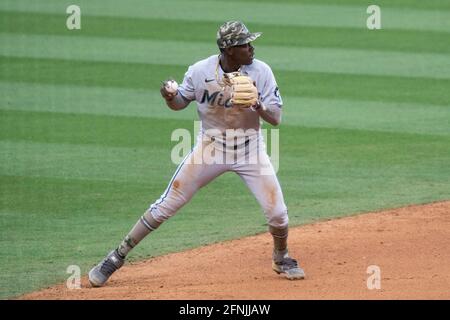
(165, 94)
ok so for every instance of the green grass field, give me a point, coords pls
(85, 137)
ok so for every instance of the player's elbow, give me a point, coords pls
(175, 107)
(276, 120)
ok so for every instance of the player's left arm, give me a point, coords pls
(269, 102)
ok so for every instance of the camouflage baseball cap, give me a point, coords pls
(234, 33)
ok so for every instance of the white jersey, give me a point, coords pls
(200, 84)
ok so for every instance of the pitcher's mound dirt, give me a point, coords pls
(410, 246)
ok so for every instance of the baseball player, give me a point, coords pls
(233, 92)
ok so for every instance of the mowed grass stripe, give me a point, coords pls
(46, 196)
(105, 163)
(368, 62)
(404, 4)
(135, 137)
(298, 111)
(85, 73)
(82, 161)
(324, 15)
(138, 28)
(373, 155)
(292, 83)
(367, 115)
(122, 132)
(73, 99)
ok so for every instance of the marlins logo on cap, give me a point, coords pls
(234, 33)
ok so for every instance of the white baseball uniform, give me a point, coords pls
(229, 139)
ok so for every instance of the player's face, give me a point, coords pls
(244, 53)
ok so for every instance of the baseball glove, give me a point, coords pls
(243, 90)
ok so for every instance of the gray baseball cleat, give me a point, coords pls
(101, 272)
(289, 267)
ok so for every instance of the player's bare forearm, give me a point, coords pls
(270, 115)
(177, 102)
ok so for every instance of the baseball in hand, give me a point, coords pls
(171, 86)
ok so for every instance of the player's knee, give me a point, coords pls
(161, 213)
(278, 219)
(152, 219)
(169, 204)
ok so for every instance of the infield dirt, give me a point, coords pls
(410, 246)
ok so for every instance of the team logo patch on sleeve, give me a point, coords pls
(277, 92)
